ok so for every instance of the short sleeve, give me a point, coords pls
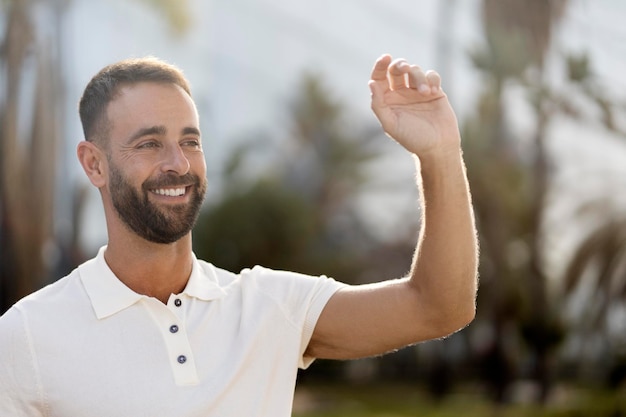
(303, 297)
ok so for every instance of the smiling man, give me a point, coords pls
(146, 329)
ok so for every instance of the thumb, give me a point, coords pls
(378, 92)
(379, 106)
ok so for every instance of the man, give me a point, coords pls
(146, 329)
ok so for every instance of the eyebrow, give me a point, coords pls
(146, 131)
(159, 131)
(191, 131)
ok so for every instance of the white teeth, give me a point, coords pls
(172, 192)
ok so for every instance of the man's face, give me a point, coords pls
(157, 173)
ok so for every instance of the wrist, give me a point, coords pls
(441, 158)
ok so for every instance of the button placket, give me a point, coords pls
(174, 331)
(171, 322)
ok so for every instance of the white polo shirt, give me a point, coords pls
(228, 345)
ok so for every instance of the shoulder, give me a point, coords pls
(56, 300)
(263, 278)
(262, 285)
(287, 287)
(61, 290)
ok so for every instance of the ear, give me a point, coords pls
(93, 161)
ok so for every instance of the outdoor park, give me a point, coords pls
(549, 338)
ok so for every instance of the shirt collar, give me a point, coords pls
(203, 283)
(109, 295)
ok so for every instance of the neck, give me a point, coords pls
(151, 269)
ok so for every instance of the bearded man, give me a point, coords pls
(147, 329)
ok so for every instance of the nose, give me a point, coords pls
(175, 160)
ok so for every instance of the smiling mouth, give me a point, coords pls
(170, 192)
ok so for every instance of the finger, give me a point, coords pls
(379, 73)
(417, 79)
(397, 74)
(434, 81)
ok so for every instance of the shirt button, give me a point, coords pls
(173, 328)
(177, 302)
(181, 359)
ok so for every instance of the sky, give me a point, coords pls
(244, 59)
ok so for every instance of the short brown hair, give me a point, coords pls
(106, 84)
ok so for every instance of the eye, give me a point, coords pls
(192, 143)
(148, 144)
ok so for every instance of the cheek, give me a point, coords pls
(198, 162)
(132, 177)
(138, 169)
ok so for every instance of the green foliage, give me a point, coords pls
(410, 400)
(579, 67)
(507, 54)
(598, 265)
(265, 224)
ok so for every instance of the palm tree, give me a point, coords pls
(600, 257)
(510, 187)
(594, 279)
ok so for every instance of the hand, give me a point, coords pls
(412, 108)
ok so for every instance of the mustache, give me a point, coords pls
(171, 180)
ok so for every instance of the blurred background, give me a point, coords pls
(301, 176)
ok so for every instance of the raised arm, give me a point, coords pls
(438, 296)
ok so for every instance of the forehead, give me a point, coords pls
(146, 104)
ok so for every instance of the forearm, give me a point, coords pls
(444, 270)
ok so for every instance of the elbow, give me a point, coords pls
(466, 315)
(461, 311)
(455, 315)
(447, 310)
(456, 318)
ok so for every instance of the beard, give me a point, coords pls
(147, 220)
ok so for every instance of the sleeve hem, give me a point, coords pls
(313, 314)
